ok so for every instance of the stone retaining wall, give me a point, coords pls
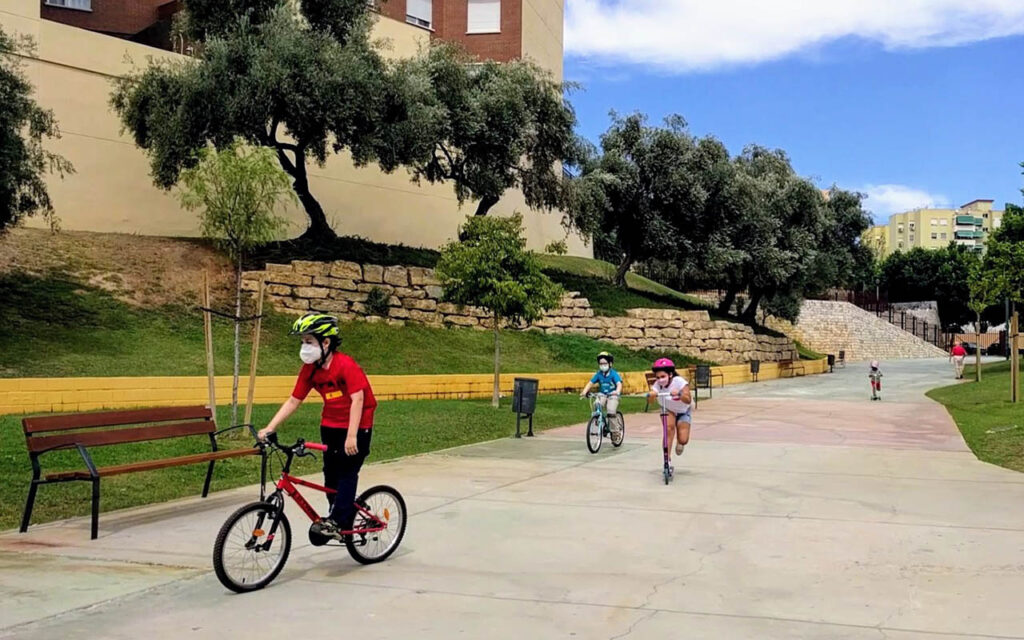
(414, 295)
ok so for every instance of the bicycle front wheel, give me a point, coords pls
(252, 547)
(386, 506)
(594, 435)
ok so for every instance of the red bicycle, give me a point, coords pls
(252, 546)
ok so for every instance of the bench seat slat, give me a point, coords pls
(114, 418)
(120, 436)
(153, 465)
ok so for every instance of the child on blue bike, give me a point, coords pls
(609, 384)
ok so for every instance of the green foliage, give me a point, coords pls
(1003, 268)
(557, 248)
(236, 191)
(496, 126)
(23, 127)
(489, 267)
(377, 302)
(942, 275)
(278, 78)
(643, 189)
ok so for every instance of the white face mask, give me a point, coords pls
(310, 353)
(605, 367)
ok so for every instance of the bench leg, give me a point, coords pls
(95, 508)
(27, 517)
(209, 476)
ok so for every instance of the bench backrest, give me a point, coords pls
(43, 433)
(650, 378)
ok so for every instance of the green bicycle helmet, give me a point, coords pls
(318, 325)
(604, 355)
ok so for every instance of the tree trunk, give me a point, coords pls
(485, 205)
(318, 225)
(238, 326)
(497, 362)
(750, 313)
(977, 350)
(725, 306)
(622, 270)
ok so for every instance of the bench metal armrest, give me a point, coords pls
(252, 429)
(82, 451)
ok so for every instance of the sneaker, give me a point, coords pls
(328, 528)
(679, 449)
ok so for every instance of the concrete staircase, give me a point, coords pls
(831, 327)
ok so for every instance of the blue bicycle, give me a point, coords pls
(599, 426)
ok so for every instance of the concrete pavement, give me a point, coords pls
(793, 515)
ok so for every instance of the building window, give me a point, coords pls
(419, 12)
(484, 16)
(81, 5)
(900, 244)
(935, 221)
(944, 222)
(911, 237)
(935, 236)
(945, 236)
(899, 229)
(912, 226)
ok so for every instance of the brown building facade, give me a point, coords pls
(499, 30)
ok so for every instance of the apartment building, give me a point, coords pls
(967, 225)
(83, 45)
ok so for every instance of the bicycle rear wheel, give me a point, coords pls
(617, 439)
(595, 435)
(252, 547)
(387, 505)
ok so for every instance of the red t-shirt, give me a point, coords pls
(336, 384)
(958, 350)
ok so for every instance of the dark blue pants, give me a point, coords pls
(341, 471)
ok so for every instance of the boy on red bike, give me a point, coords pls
(347, 420)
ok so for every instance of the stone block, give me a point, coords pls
(419, 277)
(367, 287)
(397, 276)
(334, 283)
(555, 331)
(374, 319)
(462, 321)
(394, 301)
(250, 285)
(433, 291)
(287, 277)
(300, 304)
(311, 292)
(279, 268)
(544, 323)
(424, 317)
(594, 333)
(346, 270)
(631, 333)
(373, 273)
(254, 276)
(421, 305)
(329, 306)
(396, 322)
(358, 308)
(398, 312)
(351, 296)
(409, 292)
(279, 290)
(310, 268)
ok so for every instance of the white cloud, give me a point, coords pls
(688, 35)
(886, 199)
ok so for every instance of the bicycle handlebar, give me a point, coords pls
(316, 445)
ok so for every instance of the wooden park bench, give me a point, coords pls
(82, 431)
(792, 367)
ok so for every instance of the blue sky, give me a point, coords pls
(915, 109)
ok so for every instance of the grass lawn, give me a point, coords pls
(401, 428)
(56, 326)
(991, 425)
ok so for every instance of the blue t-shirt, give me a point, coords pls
(607, 381)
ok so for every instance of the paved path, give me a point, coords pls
(777, 526)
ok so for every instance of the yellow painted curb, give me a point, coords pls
(42, 395)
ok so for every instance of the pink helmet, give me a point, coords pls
(663, 364)
(874, 364)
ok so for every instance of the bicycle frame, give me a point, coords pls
(288, 484)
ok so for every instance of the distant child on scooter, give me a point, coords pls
(876, 381)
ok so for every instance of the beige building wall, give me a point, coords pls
(111, 191)
(542, 33)
(931, 228)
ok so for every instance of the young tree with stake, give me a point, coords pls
(236, 191)
(489, 267)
